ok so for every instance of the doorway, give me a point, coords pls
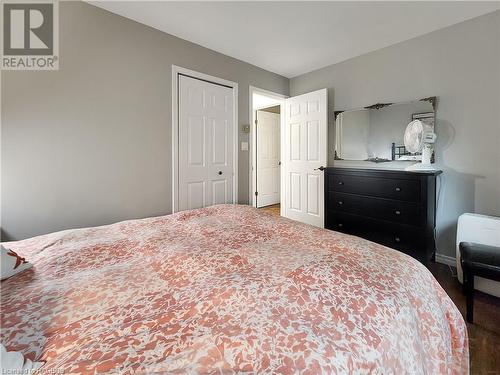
(268, 157)
(303, 153)
(266, 119)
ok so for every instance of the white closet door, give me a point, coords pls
(206, 143)
(306, 137)
(268, 158)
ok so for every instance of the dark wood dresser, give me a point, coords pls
(394, 208)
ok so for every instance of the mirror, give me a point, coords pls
(376, 133)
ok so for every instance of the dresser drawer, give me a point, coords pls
(392, 188)
(405, 238)
(386, 209)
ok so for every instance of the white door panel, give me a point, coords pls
(196, 194)
(306, 136)
(219, 191)
(205, 143)
(295, 194)
(268, 162)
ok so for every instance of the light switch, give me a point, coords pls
(244, 146)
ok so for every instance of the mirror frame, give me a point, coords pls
(431, 99)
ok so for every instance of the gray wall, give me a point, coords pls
(90, 144)
(460, 65)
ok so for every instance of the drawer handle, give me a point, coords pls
(341, 183)
(340, 225)
(397, 212)
(397, 239)
(341, 203)
(398, 188)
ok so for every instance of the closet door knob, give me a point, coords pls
(398, 188)
(340, 225)
(397, 239)
(341, 183)
(220, 172)
(341, 203)
(397, 212)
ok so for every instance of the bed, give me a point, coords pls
(227, 289)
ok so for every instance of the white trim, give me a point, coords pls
(445, 259)
(176, 70)
(267, 106)
(251, 139)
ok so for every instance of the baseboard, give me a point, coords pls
(445, 259)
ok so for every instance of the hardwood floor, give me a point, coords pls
(484, 334)
(274, 209)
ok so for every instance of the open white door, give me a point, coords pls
(305, 151)
(268, 158)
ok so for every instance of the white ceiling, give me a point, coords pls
(263, 101)
(292, 38)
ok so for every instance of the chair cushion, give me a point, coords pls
(483, 260)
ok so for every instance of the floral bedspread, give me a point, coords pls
(227, 289)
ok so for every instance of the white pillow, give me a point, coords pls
(12, 263)
(14, 363)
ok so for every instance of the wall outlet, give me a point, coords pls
(244, 146)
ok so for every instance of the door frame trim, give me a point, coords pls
(254, 150)
(252, 158)
(176, 71)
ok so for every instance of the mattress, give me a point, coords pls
(227, 289)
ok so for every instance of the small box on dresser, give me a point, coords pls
(391, 207)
